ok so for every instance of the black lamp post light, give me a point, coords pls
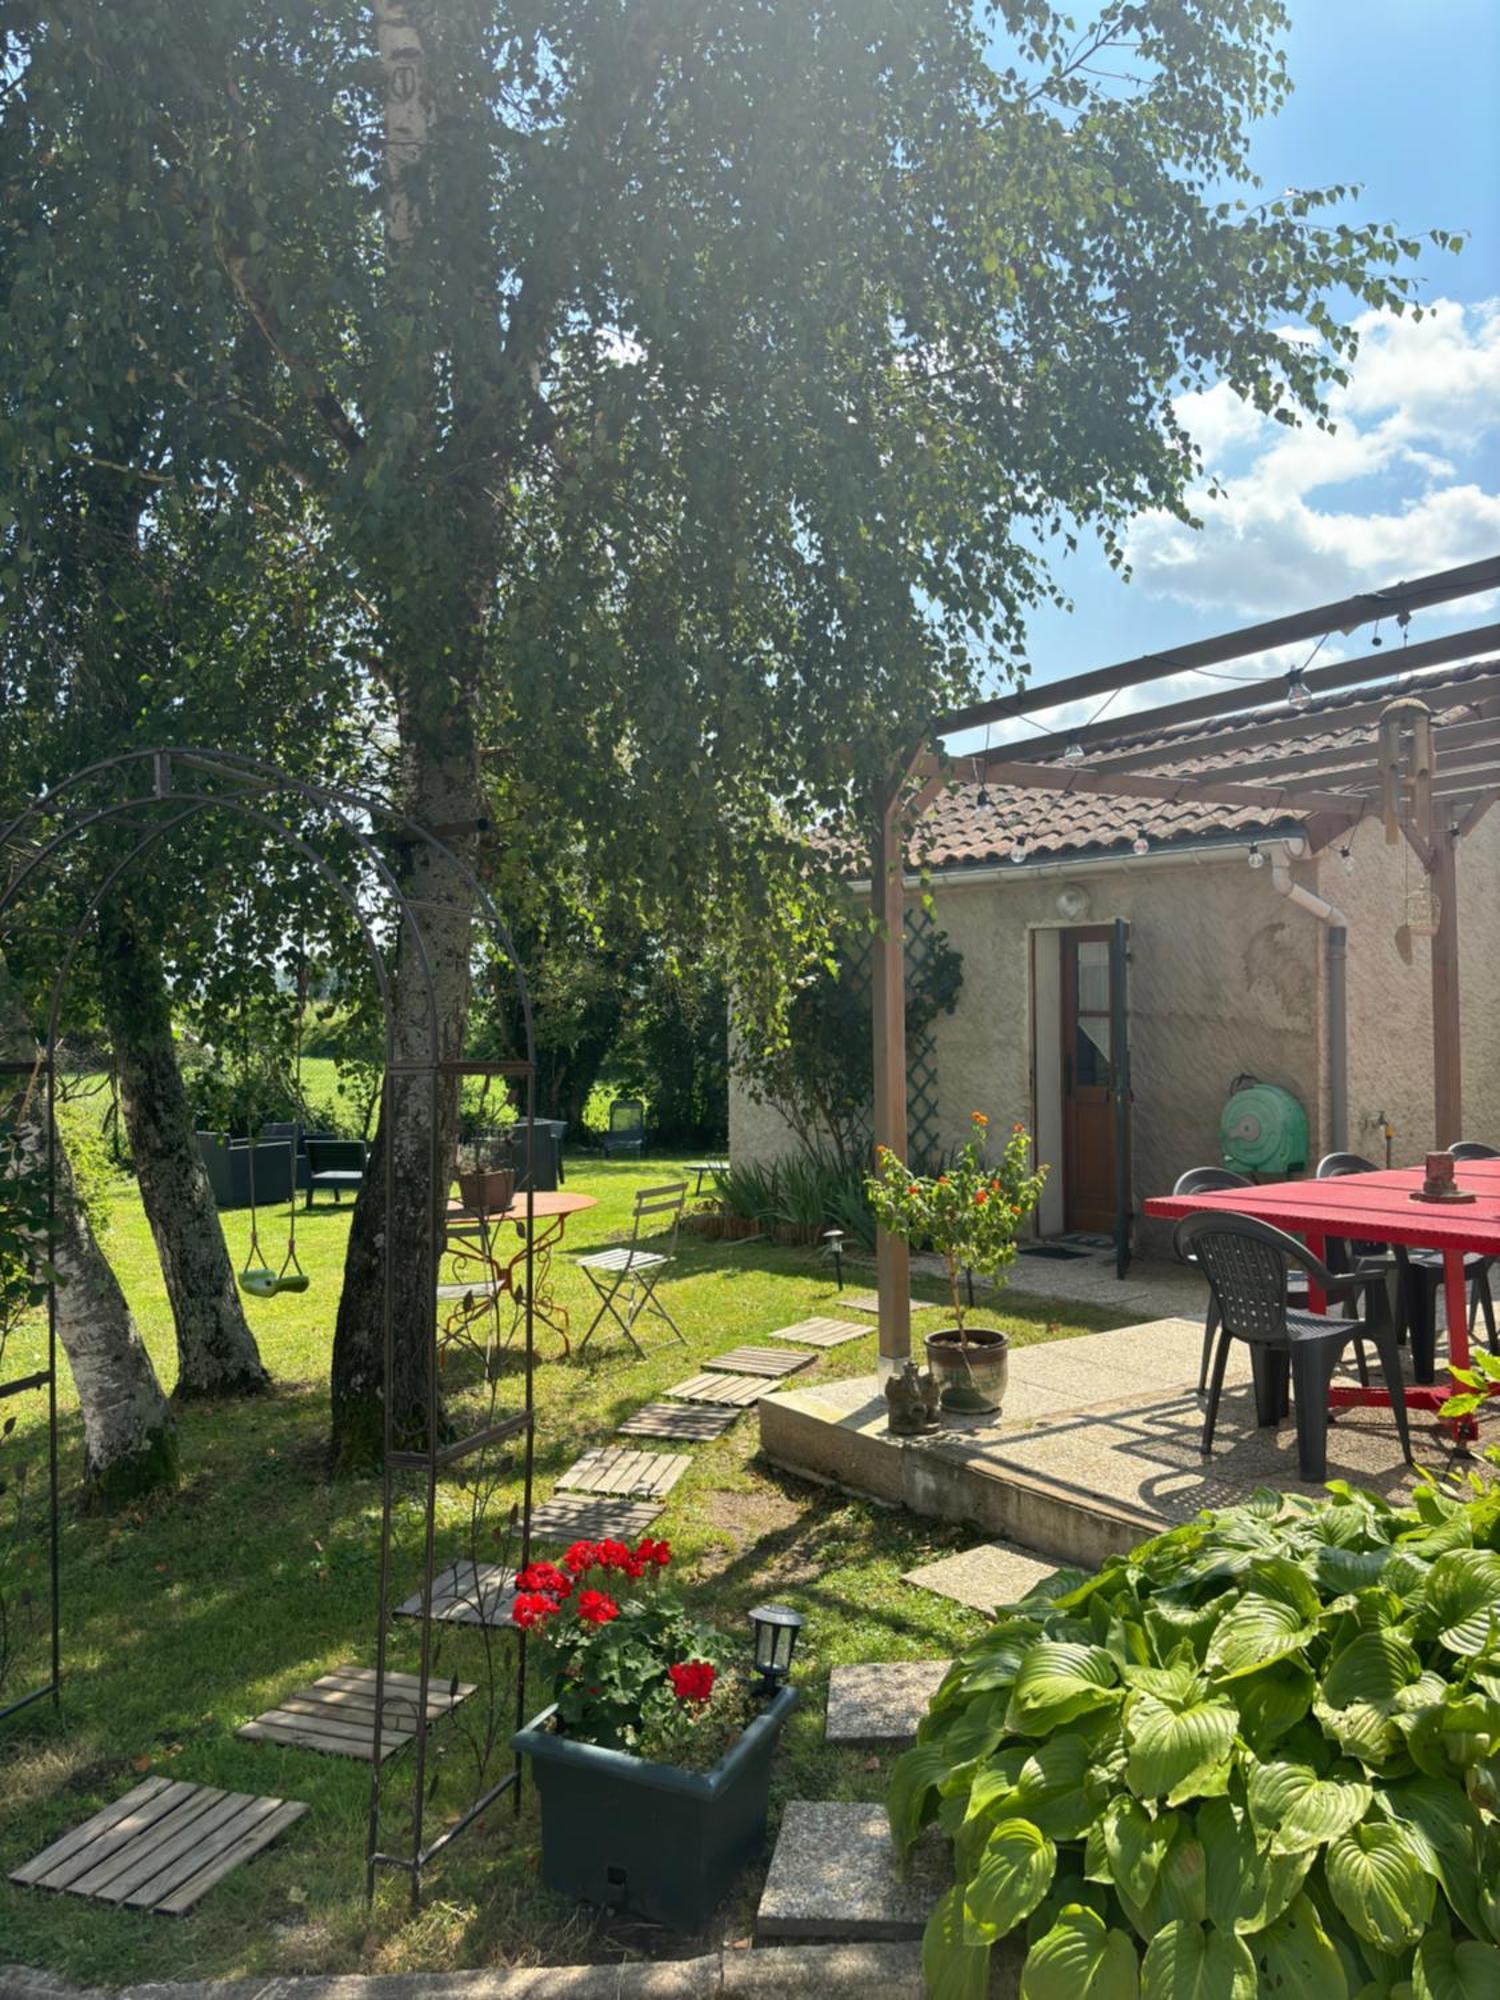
(775, 1627)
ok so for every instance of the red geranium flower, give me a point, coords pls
(544, 1576)
(532, 1608)
(596, 1608)
(692, 1680)
(648, 1551)
(612, 1555)
(579, 1558)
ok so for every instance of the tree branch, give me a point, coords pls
(309, 384)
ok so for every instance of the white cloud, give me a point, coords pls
(1420, 415)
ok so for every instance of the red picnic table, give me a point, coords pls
(1376, 1208)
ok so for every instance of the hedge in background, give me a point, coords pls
(1260, 1755)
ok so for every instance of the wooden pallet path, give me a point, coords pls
(759, 1361)
(468, 1593)
(337, 1713)
(161, 1846)
(580, 1517)
(626, 1470)
(737, 1390)
(691, 1422)
(821, 1332)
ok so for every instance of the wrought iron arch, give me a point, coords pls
(250, 792)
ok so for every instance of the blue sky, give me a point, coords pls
(1398, 95)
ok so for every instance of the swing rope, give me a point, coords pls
(257, 1278)
(291, 1277)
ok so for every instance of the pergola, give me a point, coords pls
(1430, 786)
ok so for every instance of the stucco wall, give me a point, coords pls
(1390, 1003)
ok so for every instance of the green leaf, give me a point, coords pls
(1014, 1873)
(1135, 1846)
(1296, 1957)
(1272, 1702)
(1195, 1962)
(1464, 1593)
(1058, 1682)
(1436, 1812)
(1050, 1788)
(1372, 1670)
(911, 1798)
(1253, 1633)
(1248, 1887)
(1081, 1958)
(1171, 1749)
(953, 1965)
(1294, 1809)
(1448, 1971)
(1378, 1877)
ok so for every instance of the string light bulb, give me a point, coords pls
(1297, 691)
(1346, 855)
(981, 797)
(1074, 752)
(1375, 638)
(1140, 845)
(1018, 848)
(1256, 858)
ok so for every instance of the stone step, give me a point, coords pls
(835, 1876)
(985, 1577)
(880, 1703)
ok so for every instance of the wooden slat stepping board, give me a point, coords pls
(693, 1422)
(736, 1390)
(337, 1713)
(466, 1593)
(580, 1517)
(626, 1469)
(821, 1332)
(161, 1846)
(759, 1361)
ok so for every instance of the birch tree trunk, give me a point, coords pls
(129, 1440)
(216, 1351)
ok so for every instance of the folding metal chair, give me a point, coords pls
(634, 1271)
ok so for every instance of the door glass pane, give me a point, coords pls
(1093, 975)
(1091, 1052)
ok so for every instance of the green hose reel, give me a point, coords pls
(1263, 1129)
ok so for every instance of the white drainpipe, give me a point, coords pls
(1283, 854)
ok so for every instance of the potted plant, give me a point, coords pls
(486, 1174)
(653, 1762)
(969, 1214)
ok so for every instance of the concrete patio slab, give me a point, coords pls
(835, 1875)
(881, 1702)
(1098, 1445)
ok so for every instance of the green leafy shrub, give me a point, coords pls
(1259, 1755)
(799, 1191)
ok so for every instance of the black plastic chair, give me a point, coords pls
(627, 1129)
(1422, 1276)
(1246, 1263)
(1216, 1180)
(1473, 1149)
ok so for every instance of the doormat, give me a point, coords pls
(1058, 1252)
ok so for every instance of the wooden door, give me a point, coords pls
(1090, 1194)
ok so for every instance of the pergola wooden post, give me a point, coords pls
(888, 994)
(1327, 791)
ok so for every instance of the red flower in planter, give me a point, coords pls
(595, 1608)
(580, 1557)
(692, 1680)
(612, 1555)
(544, 1576)
(533, 1608)
(648, 1551)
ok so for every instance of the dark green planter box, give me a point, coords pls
(662, 1843)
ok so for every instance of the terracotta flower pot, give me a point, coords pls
(488, 1191)
(973, 1367)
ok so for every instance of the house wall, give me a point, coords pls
(1224, 979)
(1390, 1003)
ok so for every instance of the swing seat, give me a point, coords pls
(260, 1284)
(294, 1281)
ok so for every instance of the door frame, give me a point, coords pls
(1073, 935)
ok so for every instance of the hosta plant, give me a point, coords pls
(1259, 1755)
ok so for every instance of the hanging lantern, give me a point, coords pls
(1424, 909)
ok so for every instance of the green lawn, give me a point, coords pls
(184, 1619)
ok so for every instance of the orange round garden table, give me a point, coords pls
(548, 1212)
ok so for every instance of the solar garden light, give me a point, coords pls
(833, 1246)
(775, 1627)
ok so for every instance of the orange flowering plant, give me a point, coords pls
(970, 1213)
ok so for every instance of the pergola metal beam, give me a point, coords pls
(1340, 762)
(1174, 791)
(1481, 696)
(1246, 696)
(1346, 615)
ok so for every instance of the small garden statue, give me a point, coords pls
(913, 1396)
(970, 1214)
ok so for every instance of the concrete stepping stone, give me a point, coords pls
(468, 1593)
(692, 1423)
(580, 1517)
(821, 1332)
(835, 1875)
(160, 1846)
(986, 1577)
(626, 1469)
(710, 1387)
(759, 1361)
(882, 1702)
(337, 1713)
(869, 1302)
